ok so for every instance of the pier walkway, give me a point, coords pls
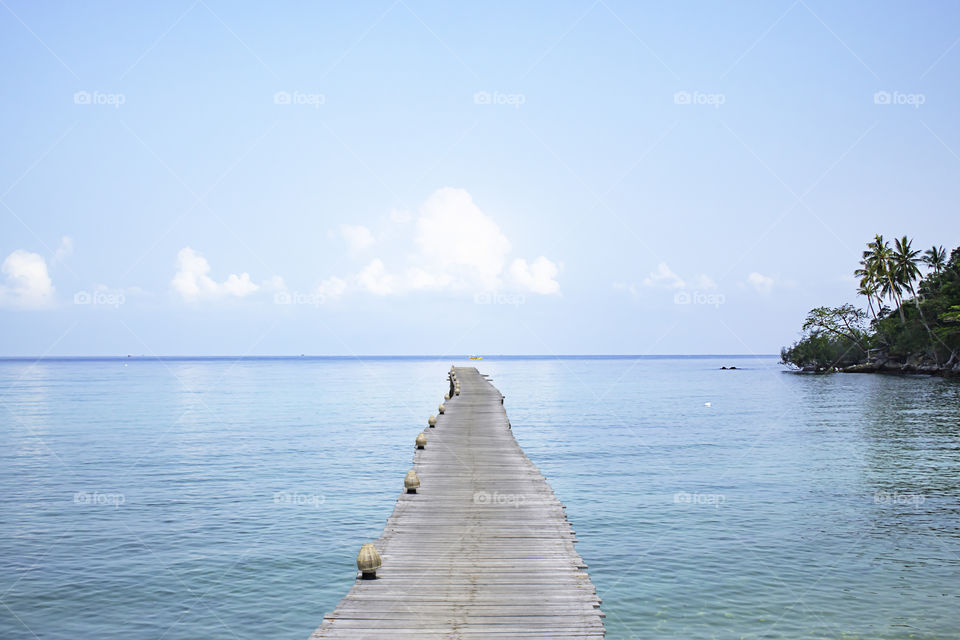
(483, 549)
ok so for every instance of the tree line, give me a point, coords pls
(912, 319)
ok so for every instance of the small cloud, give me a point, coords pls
(628, 287)
(761, 283)
(703, 282)
(193, 282)
(239, 286)
(276, 283)
(26, 281)
(64, 250)
(418, 278)
(332, 287)
(375, 279)
(664, 277)
(537, 276)
(358, 237)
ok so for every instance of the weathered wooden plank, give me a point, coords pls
(482, 550)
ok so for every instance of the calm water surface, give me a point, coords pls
(219, 499)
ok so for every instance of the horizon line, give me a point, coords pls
(387, 356)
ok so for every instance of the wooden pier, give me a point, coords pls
(483, 549)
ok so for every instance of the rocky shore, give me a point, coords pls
(913, 364)
(885, 364)
(911, 324)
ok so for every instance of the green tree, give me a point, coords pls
(870, 282)
(926, 332)
(936, 258)
(879, 259)
(868, 289)
(845, 321)
(905, 260)
(832, 337)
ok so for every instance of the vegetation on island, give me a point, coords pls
(911, 321)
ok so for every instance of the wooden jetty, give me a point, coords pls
(483, 549)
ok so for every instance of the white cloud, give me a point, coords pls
(703, 282)
(276, 283)
(537, 277)
(358, 237)
(64, 251)
(664, 277)
(332, 287)
(27, 283)
(375, 279)
(763, 284)
(626, 286)
(418, 278)
(239, 286)
(458, 244)
(193, 282)
(457, 247)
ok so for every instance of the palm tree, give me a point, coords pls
(880, 259)
(935, 258)
(869, 290)
(905, 260)
(869, 287)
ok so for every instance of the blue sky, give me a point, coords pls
(430, 178)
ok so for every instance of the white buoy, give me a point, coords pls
(411, 483)
(368, 561)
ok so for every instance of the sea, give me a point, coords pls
(216, 498)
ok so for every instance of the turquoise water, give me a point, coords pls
(220, 499)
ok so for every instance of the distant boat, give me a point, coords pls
(476, 357)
